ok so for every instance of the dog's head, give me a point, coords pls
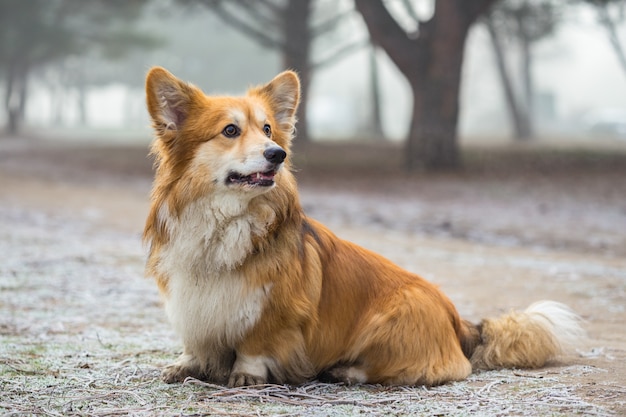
(233, 144)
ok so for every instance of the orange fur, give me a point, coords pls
(260, 292)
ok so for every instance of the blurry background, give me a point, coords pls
(75, 68)
(490, 120)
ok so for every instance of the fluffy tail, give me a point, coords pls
(522, 339)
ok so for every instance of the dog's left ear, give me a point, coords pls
(283, 94)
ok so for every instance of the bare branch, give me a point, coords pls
(243, 26)
(385, 31)
(339, 53)
(273, 7)
(330, 23)
(410, 10)
(263, 13)
(609, 25)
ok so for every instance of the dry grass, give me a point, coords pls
(103, 387)
(83, 334)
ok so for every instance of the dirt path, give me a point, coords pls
(84, 334)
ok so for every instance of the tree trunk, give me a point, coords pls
(81, 102)
(518, 117)
(521, 19)
(526, 63)
(432, 142)
(15, 97)
(297, 36)
(376, 124)
(11, 127)
(432, 64)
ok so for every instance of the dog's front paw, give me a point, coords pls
(174, 373)
(248, 370)
(185, 366)
(239, 379)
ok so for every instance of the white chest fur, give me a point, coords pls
(209, 300)
(214, 312)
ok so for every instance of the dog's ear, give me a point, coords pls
(169, 100)
(283, 94)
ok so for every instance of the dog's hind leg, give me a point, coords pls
(349, 375)
(410, 339)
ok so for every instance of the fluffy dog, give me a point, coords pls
(259, 292)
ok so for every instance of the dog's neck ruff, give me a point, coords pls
(214, 233)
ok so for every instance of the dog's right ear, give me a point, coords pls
(169, 100)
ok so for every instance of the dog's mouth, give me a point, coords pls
(257, 179)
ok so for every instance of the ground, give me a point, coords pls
(83, 333)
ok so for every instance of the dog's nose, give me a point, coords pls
(275, 154)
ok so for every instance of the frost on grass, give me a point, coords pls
(84, 334)
(489, 393)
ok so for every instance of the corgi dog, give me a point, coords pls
(259, 292)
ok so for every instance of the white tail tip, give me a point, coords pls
(564, 323)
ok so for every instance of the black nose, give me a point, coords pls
(275, 154)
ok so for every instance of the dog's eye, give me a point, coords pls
(231, 131)
(268, 130)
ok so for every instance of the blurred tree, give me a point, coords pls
(291, 27)
(430, 58)
(36, 33)
(525, 22)
(375, 127)
(610, 12)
